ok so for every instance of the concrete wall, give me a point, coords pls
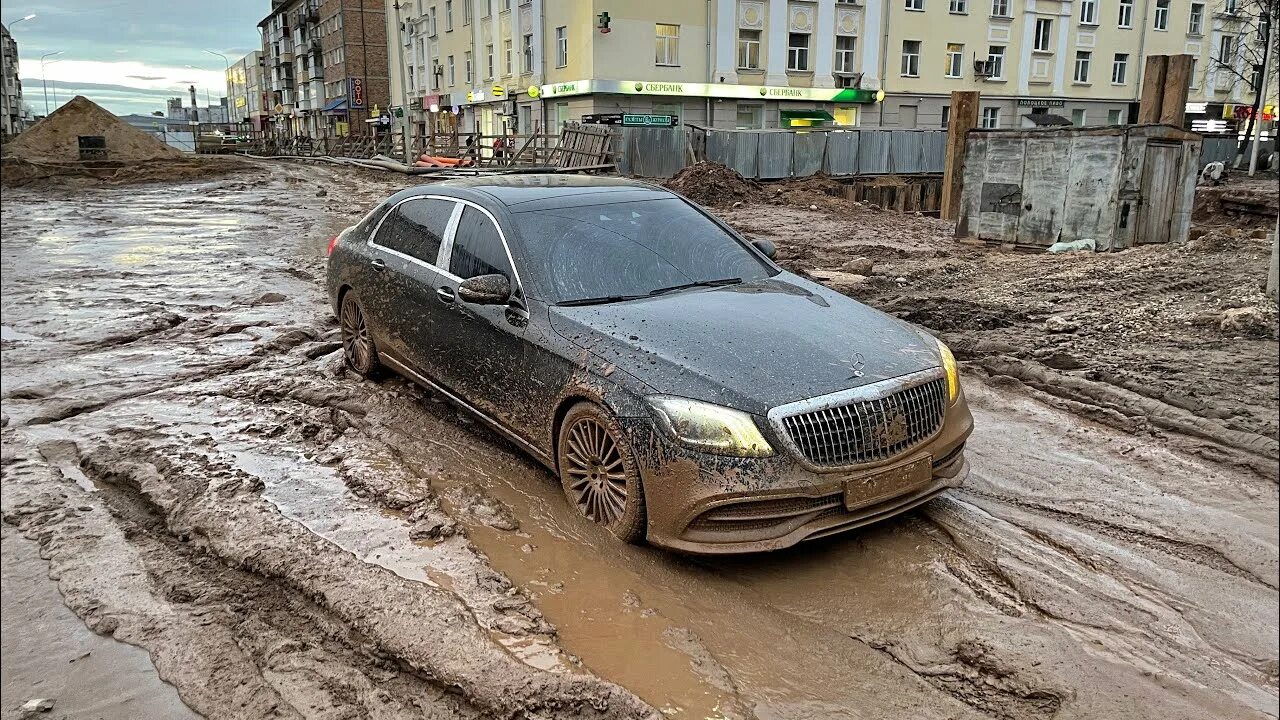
(1035, 188)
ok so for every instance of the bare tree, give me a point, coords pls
(1251, 23)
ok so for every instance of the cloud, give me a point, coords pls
(133, 45)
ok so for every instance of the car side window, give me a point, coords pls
(477, 247)
(416, 228)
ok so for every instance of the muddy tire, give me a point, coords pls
(358, 349)
(598, 471)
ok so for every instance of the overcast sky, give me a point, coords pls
(129, 55)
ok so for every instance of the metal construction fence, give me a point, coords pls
(1223, 149)
(774, 154)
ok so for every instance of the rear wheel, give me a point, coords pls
(358, 349)
(598, 471)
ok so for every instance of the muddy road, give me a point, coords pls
(207, 483)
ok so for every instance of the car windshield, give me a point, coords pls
(620, 251)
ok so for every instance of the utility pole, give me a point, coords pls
(404, 88)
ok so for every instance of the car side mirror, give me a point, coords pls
(492, 289)
(765, 246)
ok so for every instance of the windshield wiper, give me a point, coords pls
(696, 283)
(598, 300)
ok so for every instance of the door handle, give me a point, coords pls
(378, 264)
(445, 294)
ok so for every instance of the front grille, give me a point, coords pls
(868, 431)
(760, 514)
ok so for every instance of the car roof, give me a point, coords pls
(521, 192)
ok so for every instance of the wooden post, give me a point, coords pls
(1152, 99)
(1177, 79)
(964, 117)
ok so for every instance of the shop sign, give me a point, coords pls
(712, 90)
(629, 120)
(355, 94)
(534, 91)
(1041, 102)
(431, 103)
(498, 91)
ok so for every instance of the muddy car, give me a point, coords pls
(685, 389)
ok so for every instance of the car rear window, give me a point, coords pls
(416, 228)
(631, 248)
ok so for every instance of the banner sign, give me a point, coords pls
(649, 120)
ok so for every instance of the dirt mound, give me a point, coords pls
(713, 184)
(57, 137)
(18, 172)
(820, 190)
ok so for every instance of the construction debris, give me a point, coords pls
(713, 184)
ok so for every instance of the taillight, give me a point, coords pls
(332, 241)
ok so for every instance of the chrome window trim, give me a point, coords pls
(519, 285)
(871, 391)
(447, 240)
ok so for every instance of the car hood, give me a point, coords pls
(751, 346)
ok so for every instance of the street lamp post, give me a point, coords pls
(226, 78)
(44, 83)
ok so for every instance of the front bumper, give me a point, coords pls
(708, 504)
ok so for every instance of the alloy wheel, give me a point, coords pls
(597, 478)
(357, 346)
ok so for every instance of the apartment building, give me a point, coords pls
(246, 83)
(10, 86)
(325, 66)
(1079, 59)
(487, 65)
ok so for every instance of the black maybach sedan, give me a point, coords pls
(685, 389)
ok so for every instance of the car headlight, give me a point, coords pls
(953, 373)
(715, 429)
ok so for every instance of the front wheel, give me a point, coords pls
(598, 471)
(358, 349)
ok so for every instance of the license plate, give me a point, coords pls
(889, 483)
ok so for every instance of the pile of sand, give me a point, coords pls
(55, 139)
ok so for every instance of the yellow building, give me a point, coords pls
(495, 65)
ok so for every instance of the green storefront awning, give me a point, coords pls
(819, 115)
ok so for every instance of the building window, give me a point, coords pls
(488, 53)
(526, 53)
(959, 7)
(466, 12)
(506, 56)
(466, 66)
(990, 118)
(1230, 7)
(562, 46)
(448, 15)
(1113, 117)
(750, 117)
(1162, 15)
(431, 22)
(1255, 79)
(798, 51)
(1077, 117)
(488, 8)
(749, 49)
(946, 116)
(1044, 35)
(911, 58)
(845, 53)
(1227, 49)
(1089, 12)
(915, 4)
(452, 74)
(1120, 69)
(1126, 14)
(1195, 25)
(1083, 59)
(955, 60)
(995, 59)
(1000, 8)
(666, 44)
(1195, 76)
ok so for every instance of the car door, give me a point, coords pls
(482, 346)
(405, 253)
